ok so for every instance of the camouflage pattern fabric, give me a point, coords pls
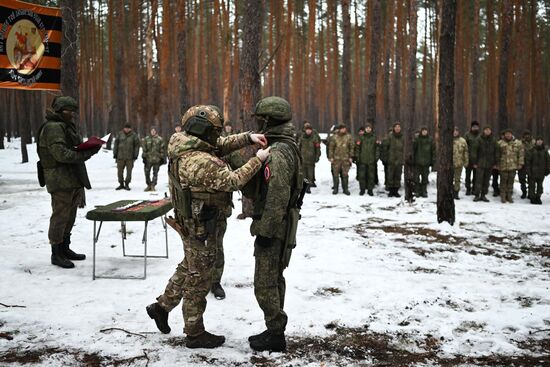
(340, 169)
(507, 183)
(511, 155)
(153, 150)
(485, 153)
(424, 151)
(126, 146)
(392, 149)
(483, 177)
(460, 152)
(201, 170)
(148, 167)
(366, 149)
(538, 166)
(341, 147)
(310, 148)
(456, 178)
(64, 207)
(64, 168)
(121, 165)
(472, 139)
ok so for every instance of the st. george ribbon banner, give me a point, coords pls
(30, 46)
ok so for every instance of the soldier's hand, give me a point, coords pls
(263, 153)
(259, 139)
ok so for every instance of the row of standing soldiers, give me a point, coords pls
(482, 155)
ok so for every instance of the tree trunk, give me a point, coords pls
(69, 53)
(373, 70)
(346, 66)
(475, 64)
(445, 202)
(184, 103)
(506, 34)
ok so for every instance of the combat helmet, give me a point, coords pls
(64, 103)
(203, 121)
(276, 109)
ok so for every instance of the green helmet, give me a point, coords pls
(276, 108)
(64, 103)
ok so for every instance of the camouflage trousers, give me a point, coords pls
(155, 168)
(421, 178)
(366, 175)
(394, 175)
(340, 168)
(483, 176)
(535, 187)
(192, 279)
(64, 206)
(457, 174)
(270, 285)
(507, 183)
(309, 171)
(121, 164)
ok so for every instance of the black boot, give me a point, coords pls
(370, 193)
(455, 196)
(468, 192)
(218, 291)
(396, 193)
(313, 184)
(59, 259)
(345, 185)
(477, 198)
(533, 201)
(263, 334)
(523, 193)
(157, 313)
(204, 340)
(269, 342)
(484, 199)
(308, 190)
(127, 186)
(120, 187)
(335, 184)
(362, 192)
(70, 254)
(390, 192)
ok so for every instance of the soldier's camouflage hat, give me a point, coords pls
(210, 113)
(64, 103)
(275, 107)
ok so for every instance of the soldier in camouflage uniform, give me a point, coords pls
(366, 155)
(154, 155)
(424, 158)
(393, 157)
(200, 187)
(472, 139)
(485, 156)
(538, 166)
(310, 150)
(64, 173)
(341, 150)
(125, 152)
(511, 157)
(460, 159)
(278, 185)
(528, 144)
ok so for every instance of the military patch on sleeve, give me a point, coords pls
(267, 173)
(358, 142)
(317, 145)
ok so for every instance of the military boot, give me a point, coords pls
(503, 199)
(308, 190)
(68, 253)
(157, 313)
(455, 196)
(362, 192)
(127, 186)
(477, 198)
(484, 199)
(345, 185)
(509, 198)
(396, 192)
(120, 186)
(258, 336)
(335, 184)
(313, 184)
(204, 340)
(523, 193)
(370, 192)
(218, 291)
(269, 341)
(59, 259)
(148, 188)
(153, 188)
(468, 192)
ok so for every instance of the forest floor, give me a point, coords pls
(373, 281)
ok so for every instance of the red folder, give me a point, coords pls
(92, 142)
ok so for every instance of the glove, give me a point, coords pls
(262, 241)
(263, 153)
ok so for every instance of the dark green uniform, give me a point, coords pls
(154, 155)
(392, 153)
(310, 150)
(472, 139)
(125, 152)
(485, 157)
(424, 158)
(538, 166)
(366, 156)
(528, 144)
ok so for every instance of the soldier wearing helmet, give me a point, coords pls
(63, 171)
(201, 183)
(279, 184)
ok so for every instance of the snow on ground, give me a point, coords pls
(373, 280)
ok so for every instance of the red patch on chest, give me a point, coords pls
(267, 173)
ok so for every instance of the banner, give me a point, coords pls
(30, 46)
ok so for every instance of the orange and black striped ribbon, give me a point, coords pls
(30, 46)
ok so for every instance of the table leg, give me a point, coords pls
(93, 262)
(165, 226)
(145, 251)
(123, 235)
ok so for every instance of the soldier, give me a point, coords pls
(538, 166)
(495, 172)
(332, 133)
(393, 154)
(200, 187)
(154, 155)
(472, 139)
(511, 158)
(460, 159)
(227, 129)
(424, 158)
(341, 156)
(63, 171)
(528, 144)
(275, 219)
(485, 156)
(366, 156)
(125, 152)
(310, 151)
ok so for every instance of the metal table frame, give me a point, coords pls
(123, 238)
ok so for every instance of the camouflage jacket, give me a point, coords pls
(460, 152)
(126, 146)
(277, 182)
(538, 163)
(341, 147)
(64, 167)
(511, 155)
(366, 149)
(310, 148)
(486, 152)
(153, 150)
(392, 149)
(424, 151)
(473, 142)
